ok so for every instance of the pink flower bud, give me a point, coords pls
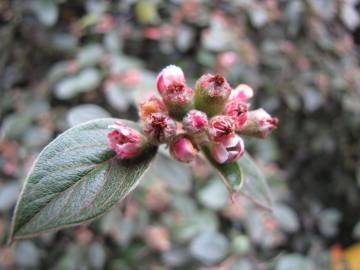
(183, 150)
(228, 150)
(242, 92)
(125, 141)
(105, 24)
(227, 59)
(211, 94)
(151, 105)
(260, 124)
(171, 76)
(176, 95)
(157, 238)
(238, 110)
(195, 122)
(159, 128)
(221, 127)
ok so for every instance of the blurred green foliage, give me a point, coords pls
(65, 62)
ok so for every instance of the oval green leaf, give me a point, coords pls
(255, 187)
(243, 177)
(76, 179)
(230, 173)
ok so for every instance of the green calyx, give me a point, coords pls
(177, 111)
(211, 105)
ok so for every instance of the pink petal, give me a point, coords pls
(220, 154)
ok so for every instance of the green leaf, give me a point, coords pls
(255, 187)
(85, 112)
(243, 177)
(47, 11)
(76, 179)
(230, 173)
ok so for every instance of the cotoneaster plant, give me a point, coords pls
(91, 167)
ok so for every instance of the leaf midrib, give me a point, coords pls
(56, 195)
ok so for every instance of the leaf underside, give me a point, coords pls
(255, 186)
(75, 179)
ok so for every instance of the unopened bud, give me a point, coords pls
(159, 128)
(211, 94)
(221, 127)
(157, 238)
(242, 92)
(125, 141)
(169, 76)
(260, 124)
(174, 91)
(151, 105)
(195, 122)
(183, 149)
(238, 111)
(228, 150)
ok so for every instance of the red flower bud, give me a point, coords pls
(211, 94)
(159, 128)
(182, 149)
(260, 124)
(151, 105)
(125, 141)
(176, 95)
(221, 127)
(228, 150)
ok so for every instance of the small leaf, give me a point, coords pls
(255, 187)
(286, 218)
(8, 195)
(230, 173)
(85, 112)
(33, 255)
(165, 168)
(244, 177)
(209, 247)
(117, 97)
(349, 15)
(76, 179)
(97, 255)
(214, 195)
(90, 55)
(294, 261)
(47, 11)
(146, 12)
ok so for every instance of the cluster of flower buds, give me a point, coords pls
(213, 115)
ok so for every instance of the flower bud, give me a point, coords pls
(242, 92)
(125, 141)
(157, 238)
(182, 149)
(195, 122)
(238, 111)
(227, 59)
(221, 127)
(159, 128)
(228, 150)
(259, 124)
(176, 95)
(151, 105)
(211, 94)
(169, 76)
